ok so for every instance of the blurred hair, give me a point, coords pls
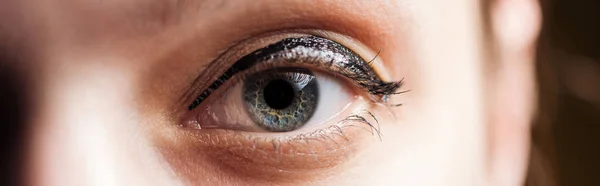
(542, 160)
(542, 156)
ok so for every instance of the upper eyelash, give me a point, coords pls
(312, 50)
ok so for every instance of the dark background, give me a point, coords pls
(568, 129)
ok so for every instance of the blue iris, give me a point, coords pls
(281, 99)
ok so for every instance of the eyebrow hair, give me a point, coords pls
(308, 49)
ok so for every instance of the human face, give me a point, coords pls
(132, 92)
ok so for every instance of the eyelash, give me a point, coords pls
(325, 134)
(360, 74)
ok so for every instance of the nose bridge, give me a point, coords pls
(82, 135)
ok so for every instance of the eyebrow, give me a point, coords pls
(308, 49)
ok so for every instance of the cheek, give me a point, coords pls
(439, 135)
(86, 130)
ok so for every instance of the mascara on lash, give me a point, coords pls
(310, 50)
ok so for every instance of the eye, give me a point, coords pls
(279, 104)
(278, 100)
(276, 90)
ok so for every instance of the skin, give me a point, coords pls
(104, 80)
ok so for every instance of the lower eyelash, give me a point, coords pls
(374, 129)
(284, 154)
(360, 118)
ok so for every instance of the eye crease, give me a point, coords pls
(314, 50)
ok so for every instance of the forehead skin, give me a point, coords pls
(117, 23)
(126, 51)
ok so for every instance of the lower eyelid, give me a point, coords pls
(268, 158)
(285, 154)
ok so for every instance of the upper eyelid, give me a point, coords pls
(265, 18)
(344, 60)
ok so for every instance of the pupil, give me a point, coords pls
(279, 94)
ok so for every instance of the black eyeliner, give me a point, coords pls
(312, 50)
